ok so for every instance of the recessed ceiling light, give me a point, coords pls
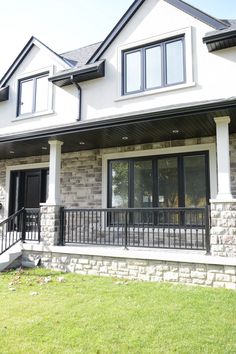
(175, 131)
(82, 143)
(44, 148)
(125, 138)
(12, 152)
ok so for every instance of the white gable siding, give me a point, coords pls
(210, 77)
(64, 101)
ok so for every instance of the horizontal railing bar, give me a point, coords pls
(134, 209)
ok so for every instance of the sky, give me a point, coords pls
(64, 25)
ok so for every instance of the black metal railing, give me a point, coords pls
(177, 228)
(31, 224)
(23, 225)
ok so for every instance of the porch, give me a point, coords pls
(170, 214)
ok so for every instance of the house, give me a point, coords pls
(129, 142)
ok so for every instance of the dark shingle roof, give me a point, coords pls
(80, 56)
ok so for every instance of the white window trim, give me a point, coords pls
(211, 148)
(50, 110)
(187, 33)
(9, 169)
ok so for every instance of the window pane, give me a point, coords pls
(26, 97)
(133, 72)
(119, 184)
(174, 62)
(168, 182)
(143, 184)
(41, 94)
(153, 67)
(195, 181)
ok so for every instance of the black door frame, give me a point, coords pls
(17, 181)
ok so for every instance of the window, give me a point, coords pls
(169, 181)
(33, 95)
(154, 66)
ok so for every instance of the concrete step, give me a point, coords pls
(8, 257)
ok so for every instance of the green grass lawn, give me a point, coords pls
(105, 315)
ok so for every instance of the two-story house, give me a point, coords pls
(135, 138)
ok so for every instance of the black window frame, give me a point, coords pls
(33, 78)
(155, 184)
(142, 49)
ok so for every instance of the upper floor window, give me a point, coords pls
(154, 66)
(33, 95)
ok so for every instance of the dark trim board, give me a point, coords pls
(33, 41)
(217, 108)
(181, 5)
(220, 41)
(4, 93)
(88, 72)
(200, 15)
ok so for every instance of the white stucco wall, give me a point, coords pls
(210, 76)
(64, 105)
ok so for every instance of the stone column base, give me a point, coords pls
(223, 228)
(50, 224)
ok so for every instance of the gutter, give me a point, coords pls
(83, 73)
(219, 36)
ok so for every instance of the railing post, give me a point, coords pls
(61, 236)
(207, 230)
(126, 229)
(23, 225)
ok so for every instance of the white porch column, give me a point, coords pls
(223, 158)
(54, 173)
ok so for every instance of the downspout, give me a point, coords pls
(79, 96)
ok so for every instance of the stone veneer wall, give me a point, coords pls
(81, 175)
(223, 229)
(146, 270)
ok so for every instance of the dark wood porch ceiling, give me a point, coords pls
(192, 121)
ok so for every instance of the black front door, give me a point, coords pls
(28, 189)
(32, 195)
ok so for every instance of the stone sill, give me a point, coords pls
(183, 256)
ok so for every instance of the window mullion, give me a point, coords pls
(131, 184)
(155, 182)
(181, 181)
(34, 95)
(143, 59)
(163, 63)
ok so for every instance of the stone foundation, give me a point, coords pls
(223, 229)
(211, 275)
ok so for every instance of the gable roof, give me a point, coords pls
(181, 5)
(33, 41)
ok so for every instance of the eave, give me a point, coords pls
(195, 120)
(4, 93)
(84, 73)
(220, 40)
